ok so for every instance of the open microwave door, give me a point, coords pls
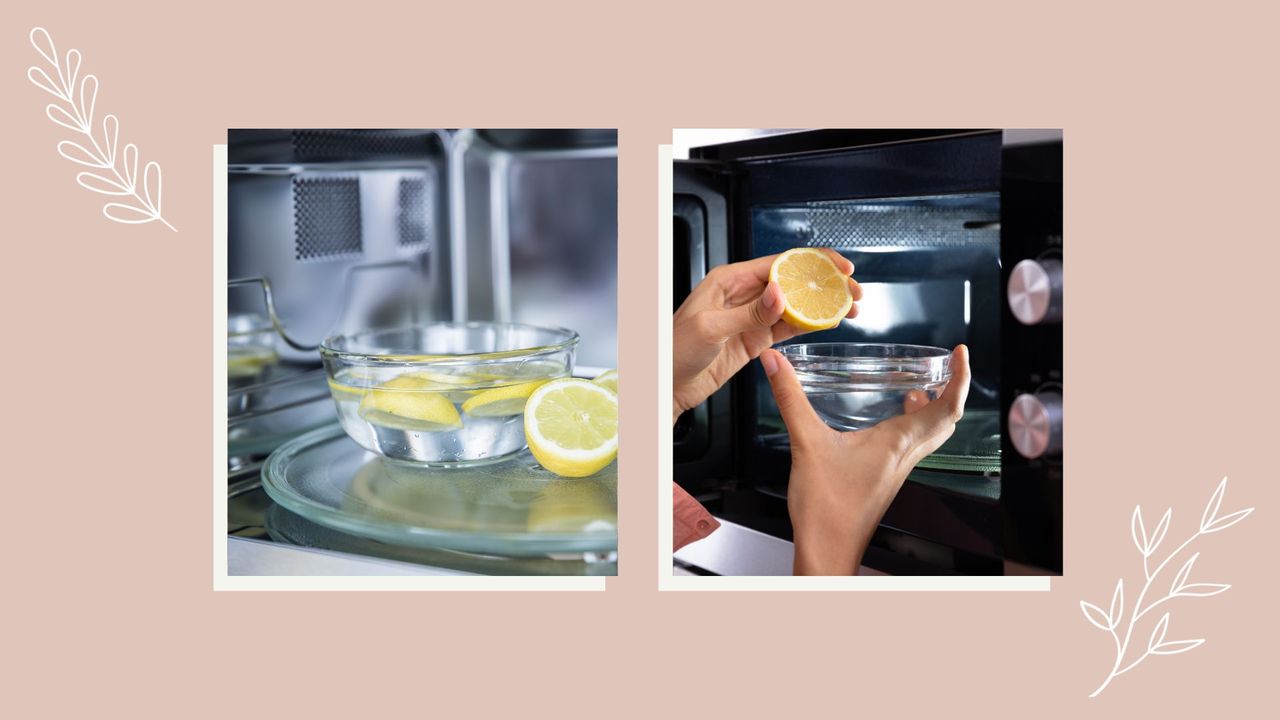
(700, 241)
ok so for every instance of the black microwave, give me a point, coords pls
(956, 236)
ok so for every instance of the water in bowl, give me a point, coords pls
(440, 416)
(850, 400)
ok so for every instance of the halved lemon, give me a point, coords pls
(571, 426)
(410, 402)
(608, 378)
(815, 293)
(501, 401)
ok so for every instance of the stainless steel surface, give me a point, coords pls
(537, 239)
(1035, 291)
(253, 557)
(736, 550)
(1031, 136)
(1035, 424)
(305, 207)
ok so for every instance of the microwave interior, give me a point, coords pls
(924, 218)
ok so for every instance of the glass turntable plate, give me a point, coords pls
(973, 447)
(512, 507)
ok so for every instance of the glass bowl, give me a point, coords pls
(251, 354)
(445, 394)
(853, 386)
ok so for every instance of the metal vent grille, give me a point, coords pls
(355, 145)
(900, 225)
(326, 217)
(414, 219)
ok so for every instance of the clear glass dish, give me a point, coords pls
(511, 508)
(853, 386)
(251, 355)
(443, 393)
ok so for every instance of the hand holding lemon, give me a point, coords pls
(741, 309)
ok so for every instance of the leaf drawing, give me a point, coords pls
(111, 173)
(1180, 587)
(1117, 605)
(1139, 531)
(1095, 615)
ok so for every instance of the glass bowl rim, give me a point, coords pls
(571, 339)
(934, 352)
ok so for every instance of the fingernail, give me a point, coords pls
(770, 363)
(770, 297)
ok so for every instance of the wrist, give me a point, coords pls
(827, 541)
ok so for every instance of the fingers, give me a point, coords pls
(797, 413)
(931, 425)
(855, 290)
(915, 400)
(763, 312)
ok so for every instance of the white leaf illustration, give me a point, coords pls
(111, 133)
(1095, 615)
(1173, 647)
(1215, 502)
(72, 69)
(1117, 605)
(1227, 521)
(131, 165)
(88, 99)
(42, 80)
(128, 214)
(151, 182)
(57, 114)
(1158, 534)
(114, 172)
(1157, 635)
(1202, 589)
(43, 44)
(1139, 531)
(101, 184)
(1122, 633)
(77, 153)
(1181, 578)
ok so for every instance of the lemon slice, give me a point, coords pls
(608, 378)
(249, 361)
(815, 293)
(571, 426)
(410, 402)
(501, 401)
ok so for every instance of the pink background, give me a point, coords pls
(1170, 121)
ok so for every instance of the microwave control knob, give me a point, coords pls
(1035, 424)
(1035, 292)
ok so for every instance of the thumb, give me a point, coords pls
(796, 411)
(763, 312)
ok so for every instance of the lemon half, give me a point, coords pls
(815, 293)
(571, 426)
(608, 378)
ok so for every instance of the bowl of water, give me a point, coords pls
(448, 394)
(853, 386)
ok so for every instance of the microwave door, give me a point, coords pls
(702, 436)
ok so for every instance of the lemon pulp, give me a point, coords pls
(571, 426)
(815, 293)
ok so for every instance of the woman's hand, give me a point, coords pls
(842, 483)
(728, 319)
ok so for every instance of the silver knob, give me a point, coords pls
(1035, 424)
(1035, 291)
